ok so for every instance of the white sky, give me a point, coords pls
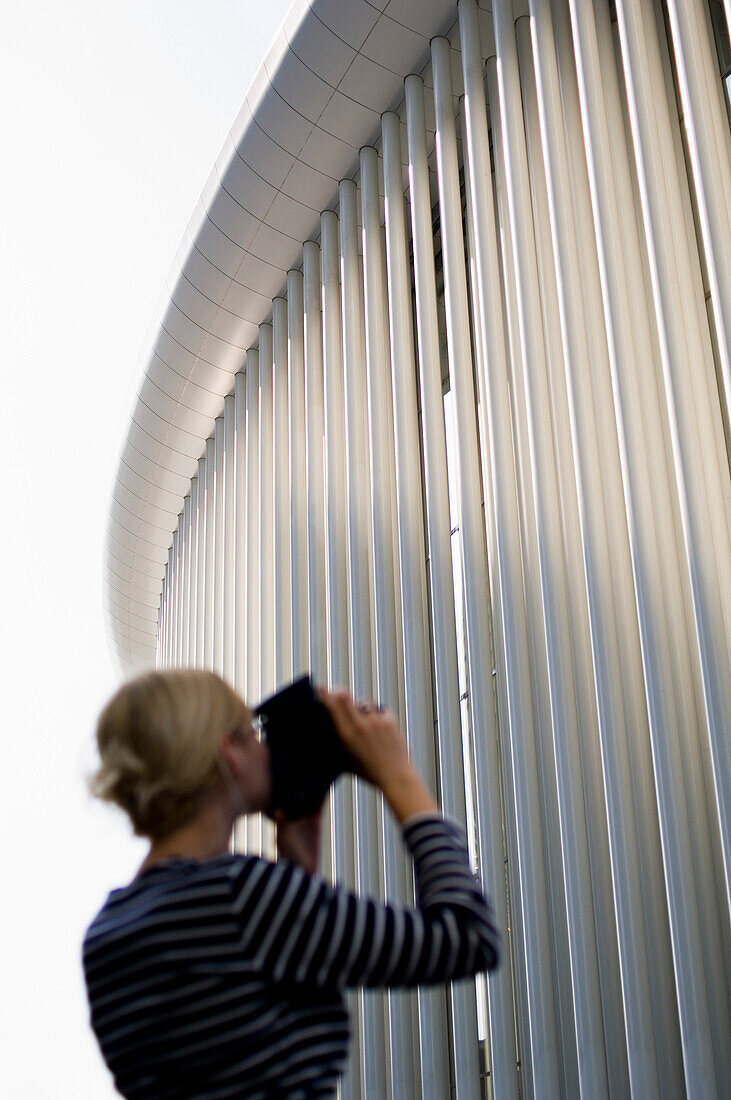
(112, 116)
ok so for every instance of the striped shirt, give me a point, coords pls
(223, 979)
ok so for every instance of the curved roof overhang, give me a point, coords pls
(333, 69)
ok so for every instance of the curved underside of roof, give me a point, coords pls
(334, 67)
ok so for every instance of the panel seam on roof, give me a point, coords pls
(159, 443)
(124, 604)
(220, 305)
(232, 278)
(184, 378)
(229, 343)
(356, 49)
(158, 465)
(137, 555)
(115, 597)
(170, 424)
(268, 182)
(149, 503)
(196, 355)
(135, 534)
(253, 215)
(126, 580)
(188, 382)
(334, 87)
(140, 538)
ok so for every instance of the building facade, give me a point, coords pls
(437, 409)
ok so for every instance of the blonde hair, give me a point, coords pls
(158, 738)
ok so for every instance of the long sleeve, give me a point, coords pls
(297, 929)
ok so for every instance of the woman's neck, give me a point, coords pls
(208, 834)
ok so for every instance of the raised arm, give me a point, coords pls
(296, 928)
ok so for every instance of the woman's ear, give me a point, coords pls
(230, 749)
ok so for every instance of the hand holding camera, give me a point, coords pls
(315, 737)
(373, 739)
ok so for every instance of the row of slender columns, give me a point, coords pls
(506, 588)
(388, 687)
(661, 620)
(228, 590)
(344, 850)
(474, 559)
(416, 687)
(593, 513)
(438, 766)
(192, 578)
(252, 631)
(368, 810)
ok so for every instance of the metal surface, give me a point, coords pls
(218, 552)
(507, 581)
(209, 607)
(186, 596)
(474, 557)
(419, 718)
(338, 639)
(565, 563)
(241, 539)
(368, 809)
(434, 1055)
(388, 672)
(267, 566)
(230, 626)
(297, 473)
(315, 472)
(200, 545)
(193, 574)
(281, 489)
(253, 550)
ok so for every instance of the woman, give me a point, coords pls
(221, 976)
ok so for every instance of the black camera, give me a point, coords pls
(307, 754)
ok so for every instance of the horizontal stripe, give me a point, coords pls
(224, 978)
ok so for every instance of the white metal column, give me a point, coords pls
(315, 478)
(240, 533)
(201, 566)
(389, 674)
(410, 517)
(508, 582)
(187, 557)
(175, 596)
(267, 563)
(369, 815)
(228, 612)
(435, 1053)
(281, 499)
(193, 571)
(343, 831)
(209, 612)
(267, 569)
(253, 551)
(218, 506)
(164, 613)
(297, 473)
